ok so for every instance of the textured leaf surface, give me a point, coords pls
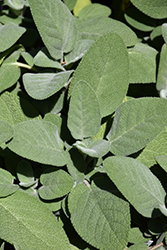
(99, 217)
(6, 183)
(55, 184)
(9, 71)
(94, 10)
(25, 174)
(96, 149)
(6, 132)
(162, 73)
(100, 26)
(84, 113)
(109, 75)
(155, 148)
(28, 224)
(136, 123)
(55, 24)
(142, 64)
(136, 182)
(43, 85)
(162, 161)
(80, 4)
(153, 8)
(38, 141)
(164, 31)
(9, 34)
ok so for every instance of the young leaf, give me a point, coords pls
(136, 123)
(139, 186)
(25, 174)
(38, 141)
(55, 24)
(157, 147)
(99, 217)
(9, 34)
(55, 184)
(162, 161)
(6, 184)
(94, 10)
(43, 85)
(80, 4)
(152, 8)
(6, 132)
(84, 114)
(105, 68)
(28, 224)
(96, 149)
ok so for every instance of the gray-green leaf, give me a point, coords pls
(39, 141)
(162, 73)
(6, 132)
(136, 182)
(6, 184)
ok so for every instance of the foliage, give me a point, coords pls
(83, 126)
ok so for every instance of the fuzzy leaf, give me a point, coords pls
(55, 24)
(136, 123)
(99, 217)
(84, 113)
(25, 174)
(6, 132)
(43, 85)
(6, 184)
(55, 184)
(109, 75)
(94, 10)
(28, 224)
(162, 161)
(138, 184)
(9, 34)
(38, 141)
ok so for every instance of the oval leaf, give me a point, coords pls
(55, 184)
(6, 132)
(84, 115)
(38, 141)
(55, 24)
(99, 217)
(43, 85)
(139, 186)
(136, 123)
(22, 224)
(108, 76)
(6, 184)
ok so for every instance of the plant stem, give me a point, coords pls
(23, 65)
(157, 246)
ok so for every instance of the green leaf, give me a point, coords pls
(94, 10)
(38, 141)
(6, 184)
(70, 3)
(56, 26)
(162, 161)
(155, 148)
(16, 4)
(164, 31)
(84, 114)
(55, 184)
(142, 64)
(136, 123)
(162, 73)
(9, 71)
(42, 59)
(139, 186)
(28, 224)
(99, 217)
(109, 75)
(80, 4)
(15, 109)
(9, 34)
(152, 8)
(43, 85)
(25, 174)
(6, 132)
(139, 21)
(96, 149)
(99, 26)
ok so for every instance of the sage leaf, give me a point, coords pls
(55, 184)
(162, 161)
(38, 141)
(56, 26)
(25, 174)
(94, 10)
(152, 8)
(43, 85)
(9, 34)
(109, 75)
(6, 184)
(138, 184)
(84, 114)
(23, 213)
(136, 123)
(6, 132)
(99, 217)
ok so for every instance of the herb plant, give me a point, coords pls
(83, 125)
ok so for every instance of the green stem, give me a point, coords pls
(157, 246)
(23, 65)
